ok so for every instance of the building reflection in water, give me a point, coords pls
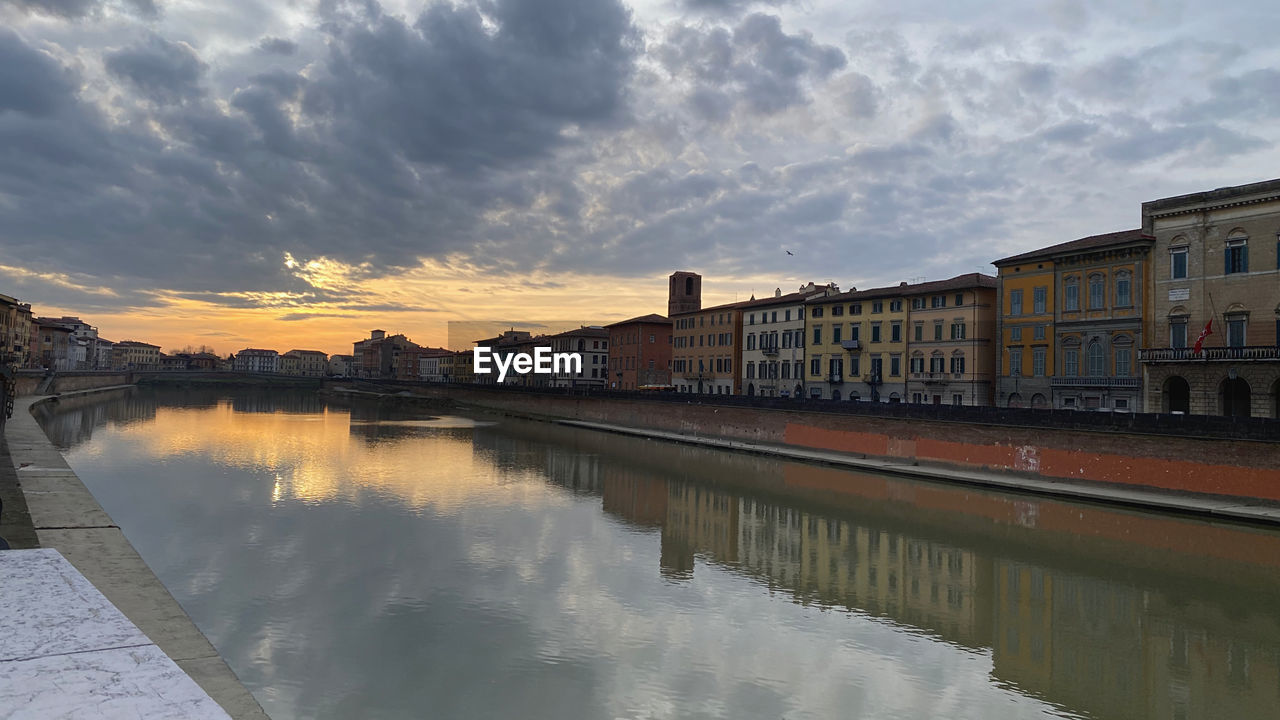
(1147, 634)
(1101, 612)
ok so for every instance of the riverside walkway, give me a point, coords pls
(65, 516)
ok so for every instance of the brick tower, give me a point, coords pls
(685, 294)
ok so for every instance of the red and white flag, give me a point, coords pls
(1206, 332)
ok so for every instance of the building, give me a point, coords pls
(288, 365)
(104, 349)
(256, 360)
(462, 369)
(592, 345)
(857, 345)
(305, 363)
(1214, 268)
(684, 294)
(380, 356)
(15, 332)
(342, 365)
(203, 361)
(640, 353)
(772, 363)
(135, 355)
(952, 340)
(178, 361)
(707, 345)
(504, 345)
(84, 338)
(430, 367)
(1025, 326)
(51, 345)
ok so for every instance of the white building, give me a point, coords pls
(772, 362)
(254, 360)
(591, 343)
(341, 365)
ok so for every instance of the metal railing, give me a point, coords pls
(1096, 381)
(1244, 352)
(850, 344)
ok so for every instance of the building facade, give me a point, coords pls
(51, 345)
(592, 345)
(1025, 327)
(305, 363)
(706, 347)
(640, 353)
(15, 331)
(952, 341)
(256, 360)
(772, 363)
(1215, 268)
(857, 345)
(135, 355)
(342, 365)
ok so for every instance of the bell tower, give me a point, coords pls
(685, 293)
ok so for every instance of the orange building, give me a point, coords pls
(640, 353)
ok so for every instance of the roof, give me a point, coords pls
(968, 280)
(1220, 197)
(726, 306)
(307, 352)
(1092, 242)
(590, 331)
(650, 318)
(789, 298)
(136, 343)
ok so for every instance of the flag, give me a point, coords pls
(1206, 332)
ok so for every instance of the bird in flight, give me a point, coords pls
(789, 252)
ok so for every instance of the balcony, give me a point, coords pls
(874, 379)
(1247, 353)
(850, 344)
(835, 378)
(769, 349)
(1101, 381)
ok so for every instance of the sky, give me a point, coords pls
(292, 174)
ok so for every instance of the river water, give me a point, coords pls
(367, 561)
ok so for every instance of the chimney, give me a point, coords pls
(777, 292)
(377, 334)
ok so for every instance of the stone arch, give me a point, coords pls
(751, 389)
(1015, 400)
(1234, 397)
(1175, 395)
(1039, 401)
(835, 394)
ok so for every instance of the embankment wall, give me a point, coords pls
(1225, 467)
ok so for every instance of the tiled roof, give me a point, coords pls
(650, 318)
(1088, 243)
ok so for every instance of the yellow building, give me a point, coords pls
(856, 345)
(458, 367)
(1025, 327)
(952, 340)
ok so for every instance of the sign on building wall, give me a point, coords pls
(1176, 294)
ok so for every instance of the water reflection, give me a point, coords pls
(392, 563)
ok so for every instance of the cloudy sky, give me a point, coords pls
(292, 173)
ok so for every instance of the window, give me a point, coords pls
(877, 367)
(1040, 299)
(1235, 330)
(1095, 292)
(937, 364)
(773, 317)
(817, 335)
(939, 301)
(1015, 362)
(751, 370)
(1039, 332)
(917, 364)
(1178, 262)
(895, 306)
(919, 332)
(917, 303)
(1037, 362)
(854, 365)
(786, 340)
(875, 332)
(895, 365)
(837, 310)
(1071, 294)
(1015, 334)
(855, 331)
(1015, 302)
(959, 302)
(957, 331)
(816, 312)
(1124, 297)
(751, 319)
(835, 333)
(787, 315)
(836, 367)
(815, 366)
(1122, 362)
(1237, 256)
(751, 341)
(786, 371)
(1177, 332)
(877, 306)
(799, 338)
(855, 309)
(1097, 360)
(895, 334)
(1071, 363)
(937, 330)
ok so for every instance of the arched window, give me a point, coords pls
(1097, 292)
(688, 286)
(1097, 359)
(1124, 289)
(1071, 293)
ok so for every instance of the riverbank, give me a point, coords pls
(1237, 479)
(64, 515)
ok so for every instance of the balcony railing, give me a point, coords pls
(1246, 352)
(1101, 381)
(873, 379)
(835, 378)
(769, 349)
(850, 344)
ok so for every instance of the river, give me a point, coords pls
(368, 560)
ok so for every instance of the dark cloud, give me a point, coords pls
(163, 71)
(755, 63)
(31, 82)
(277, 46)
(729, 8)
(76, 9)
